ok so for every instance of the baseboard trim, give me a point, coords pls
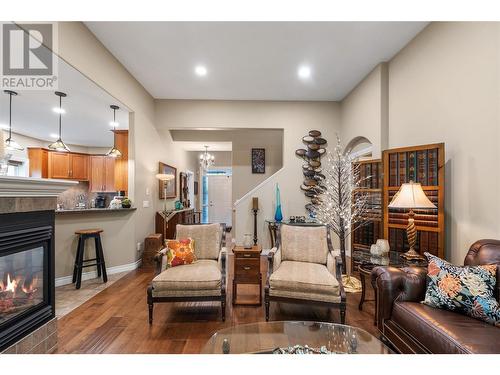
(65, 280)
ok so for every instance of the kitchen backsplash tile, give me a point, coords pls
(71, 197)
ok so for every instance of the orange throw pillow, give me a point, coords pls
(180, 252)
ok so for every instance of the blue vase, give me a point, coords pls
(278, 215)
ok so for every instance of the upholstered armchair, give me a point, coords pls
(303, 268)
(203, 280)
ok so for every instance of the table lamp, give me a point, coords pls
(411, 196)
(165, 178)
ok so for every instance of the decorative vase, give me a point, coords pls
(247, 241)
(278, 215)
(375, 250)
(384, 246)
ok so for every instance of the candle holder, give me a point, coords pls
(255, 210)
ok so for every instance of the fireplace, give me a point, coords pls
(26, 273)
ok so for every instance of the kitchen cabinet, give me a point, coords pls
(102, 175)
(79, 164)
(67, 165)
(121, 163)
(38, 162)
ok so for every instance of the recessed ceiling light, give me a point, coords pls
(58, 110)
(54, 135)
(304, 72)
(200, 70)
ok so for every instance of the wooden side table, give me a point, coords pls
(247, 271)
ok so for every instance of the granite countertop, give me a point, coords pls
(93, 210)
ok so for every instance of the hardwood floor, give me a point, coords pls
(116, 320)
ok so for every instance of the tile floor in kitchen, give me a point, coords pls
(68, 298)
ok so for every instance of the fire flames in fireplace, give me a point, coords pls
(18, 293)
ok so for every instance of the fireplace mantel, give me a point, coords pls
(13, 187)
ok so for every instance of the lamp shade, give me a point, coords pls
(411, 195)
(165, 177)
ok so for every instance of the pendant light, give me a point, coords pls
(206, 159)
(114, 152)
(10, 144)
(59, 145)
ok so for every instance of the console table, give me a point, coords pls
(166, 222)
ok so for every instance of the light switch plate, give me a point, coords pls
(148, 191)
(145, 204)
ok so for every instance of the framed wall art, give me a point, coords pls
(171, 185)
(258, 160)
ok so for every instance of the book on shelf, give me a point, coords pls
(422, 167)
(432, 167)
(393, 169)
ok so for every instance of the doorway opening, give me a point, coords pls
(217, 196)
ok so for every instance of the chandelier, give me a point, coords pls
(206, 159)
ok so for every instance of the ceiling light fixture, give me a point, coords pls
(59, 145)
(10, 144)
(201, 71)
(206, 159)
(58, 110)
(304, 72)
(114, 152)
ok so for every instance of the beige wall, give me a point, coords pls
(295, 118)
(116, 227)
(364, 111)
(242, 140)
(444, 86)
(79, 47)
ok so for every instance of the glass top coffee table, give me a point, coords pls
(270, 337)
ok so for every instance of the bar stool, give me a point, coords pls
(81, 263)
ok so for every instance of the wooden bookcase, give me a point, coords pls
(423, 164)
(363, 237)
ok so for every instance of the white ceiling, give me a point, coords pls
(252, 60)
(87, 117)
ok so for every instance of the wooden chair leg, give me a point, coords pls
(103, 263)
(150, 307)
(150, 303)
(342, 315)
(267, 303)
(223, 307)
(80, 264)
(97, 257)
(77, 256)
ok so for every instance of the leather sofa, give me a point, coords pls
(412, 327)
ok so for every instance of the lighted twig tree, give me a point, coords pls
(342, 205)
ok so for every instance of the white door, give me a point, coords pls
(219, 199)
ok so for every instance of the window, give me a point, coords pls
(15, 168)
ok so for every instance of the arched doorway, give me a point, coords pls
(359, 147)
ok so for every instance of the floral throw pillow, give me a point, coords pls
(180, 252)
(469, 290)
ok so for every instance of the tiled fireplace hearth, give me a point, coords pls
(27, 308)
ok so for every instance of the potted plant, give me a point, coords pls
(126, 203)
